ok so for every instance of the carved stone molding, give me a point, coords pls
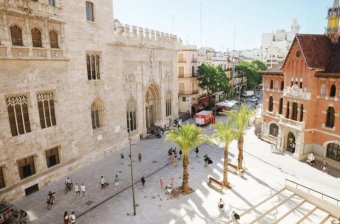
(296, 92)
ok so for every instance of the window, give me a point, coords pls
(131, 118)
(333, 151)
(46, 109)
(330, 117)
(36, 37)
(2, 178)
(271, 104)
(276, 85)
(323, 90)
(51, 3)
(295, 111)
(184, 99)
(281, 106)
(300, 85)
(96, 114)
(168, 105)
(271, 84)
(89, 11)
(16, 36)
(273, 130)
(193, 71)
(18, 115)
(291, 83)
(333, 91)
(180, 71)
(52, 157)
(54, 39)
(93, 71)
(301, 113)
(26, 167)
(282, 85)
(287, 111)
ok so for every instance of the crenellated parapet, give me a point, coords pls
(41, 8)
(133, 35)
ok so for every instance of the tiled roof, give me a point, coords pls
(275, 70)
(317, 49)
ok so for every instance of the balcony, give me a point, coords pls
(194, 60)
(182, 60)
(291, 123)
(182, 92)
(26, 53)
(33, 8)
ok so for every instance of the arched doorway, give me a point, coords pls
(152, 102)
(291, 142)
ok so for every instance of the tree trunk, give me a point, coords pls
(225, 170)
(240, 152)
(185, 183)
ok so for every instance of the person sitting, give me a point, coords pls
(221, 204)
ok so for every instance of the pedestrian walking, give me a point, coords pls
(143, 180)
(196, 150)
(122, 156)
(180, 154)
(139, 157)
(175, 152)
(174, 161)
(76, 189)
(170, 153)
(103, 183)
(116, 182)
(161, 181)
(221, 204)
(325, 167)
(66, 218)
(82, 190)
(72, 218)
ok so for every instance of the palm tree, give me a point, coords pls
(225, 134)
(241, 119)
(187, 137)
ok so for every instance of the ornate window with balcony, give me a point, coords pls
(332, 91)
(26, 167)
(281, 106)
(2, 178)
(295, 112)
(333, 151)
(271, 104)
(36, 37)
(97, 114)
(16, 36)
(89, 11)
(273, 130)
(46, 109)
(330, 117)
(54, 43)
(52, 157)
(131, 117)
(93, 66)
(18, 114)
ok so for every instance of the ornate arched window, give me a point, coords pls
(97, 110)
(281, 106)
(295, 112)
(333, 151)
(18, 114)
(16, 36)
(271, 104)
(287, 111)
(332, 91)
(330, 117)
(274, 130)
(36, 37)
(323, 90)
(168, 104)
(131, 115)
(54, 43)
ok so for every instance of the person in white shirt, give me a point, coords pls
(72, 218)
(76, 189)
(82, 190)
(103, 183)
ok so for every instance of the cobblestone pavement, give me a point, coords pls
(266, 173)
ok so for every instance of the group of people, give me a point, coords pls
(233, 216)
(311, 161)
(69, 218)
(172, 152)
(207, 160)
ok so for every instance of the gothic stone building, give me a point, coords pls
(301, 99)
(73, 81)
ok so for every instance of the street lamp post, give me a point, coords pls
(131, 169)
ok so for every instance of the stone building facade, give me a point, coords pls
(301, 99)
(73, 81)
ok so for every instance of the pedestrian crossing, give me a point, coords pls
(285, 207)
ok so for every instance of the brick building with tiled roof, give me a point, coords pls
(301, 105)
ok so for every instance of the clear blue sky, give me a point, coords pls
(222, 20)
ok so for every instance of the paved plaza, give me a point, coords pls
(265, 175)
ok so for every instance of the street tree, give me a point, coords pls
(212, 79)
(240, 119)
(223, 136)
(251, 70)
(187, 137)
